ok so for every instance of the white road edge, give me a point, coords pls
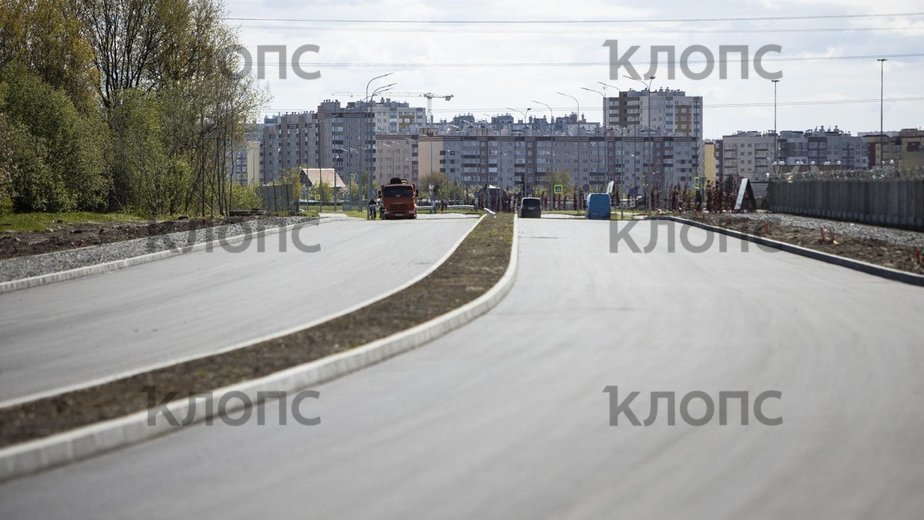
(63, 448)
(115, 265)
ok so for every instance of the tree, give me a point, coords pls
(245, 197)
(440, 182)
(130, 104)
(6, 166)
(125, 36)
(67, 161)
(562, 178)
(322, 191)
(46, 36)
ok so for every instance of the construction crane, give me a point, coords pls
(428, 95)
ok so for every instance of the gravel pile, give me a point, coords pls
(36, 265)
(893, 236)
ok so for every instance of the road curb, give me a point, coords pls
(857, 265)
(56, 450)
(115, 265)
(177, 360)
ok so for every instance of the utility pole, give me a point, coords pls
(650, 138)
(881, 99)
(776, 135)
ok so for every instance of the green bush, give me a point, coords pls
(56, 154)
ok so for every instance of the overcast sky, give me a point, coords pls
(491, 66)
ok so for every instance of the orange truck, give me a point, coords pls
(399, 199)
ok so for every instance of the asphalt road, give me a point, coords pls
(76, 331)
(506, 417)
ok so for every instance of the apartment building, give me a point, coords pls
(754, 154)
(288, 141)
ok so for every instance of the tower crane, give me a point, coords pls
(428, 95)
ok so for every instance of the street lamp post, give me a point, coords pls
(606, 152)
(776, 135)
(551, 114)
(379, 90)
(373, 79)
(578, 121)
(603, 94)
(650, 137)
(521, 112)
(881, 99)
(604, 120)
(551, 136)
(370, 187)
(605, 85)
(578, 103)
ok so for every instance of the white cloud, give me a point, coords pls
(480, 89)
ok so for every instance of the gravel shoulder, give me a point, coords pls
(476, 266)
(115, 241)
(887, 247)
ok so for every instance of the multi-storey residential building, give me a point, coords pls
(912, 149)
(482, 157)
(396, 155)
(346, 137)
(288, 141)
(394, 117)
(746, 154)
(664, 119)
(335, 136)
(903, 150)
(753, 154)
(245, 159)
(353, 140)
(670, 113)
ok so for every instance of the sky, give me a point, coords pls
(491, 55)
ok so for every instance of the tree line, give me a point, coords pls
(120, 105)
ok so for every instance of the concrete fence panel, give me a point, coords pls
(886, 202)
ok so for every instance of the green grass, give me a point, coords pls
(44, 221)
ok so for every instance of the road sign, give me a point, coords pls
(558, 188)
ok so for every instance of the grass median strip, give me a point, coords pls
(476, 266)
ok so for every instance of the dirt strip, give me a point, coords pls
(470, 271)
(870, 250)
(66, 237)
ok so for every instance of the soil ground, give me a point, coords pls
(873, 251)
(61, 236)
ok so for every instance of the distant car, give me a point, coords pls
(598, 206)
(530, 207)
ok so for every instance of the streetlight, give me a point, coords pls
(776, 135)
(551, 114)
(881, 99)
(351, 151)
(521, 112)
(576, 102)
(577, 120)
(603, 114)
(650, 141)
(551, 132)
(605, 85)
(373, 79)
(369, 175)
(605, 150)
(379, 90)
